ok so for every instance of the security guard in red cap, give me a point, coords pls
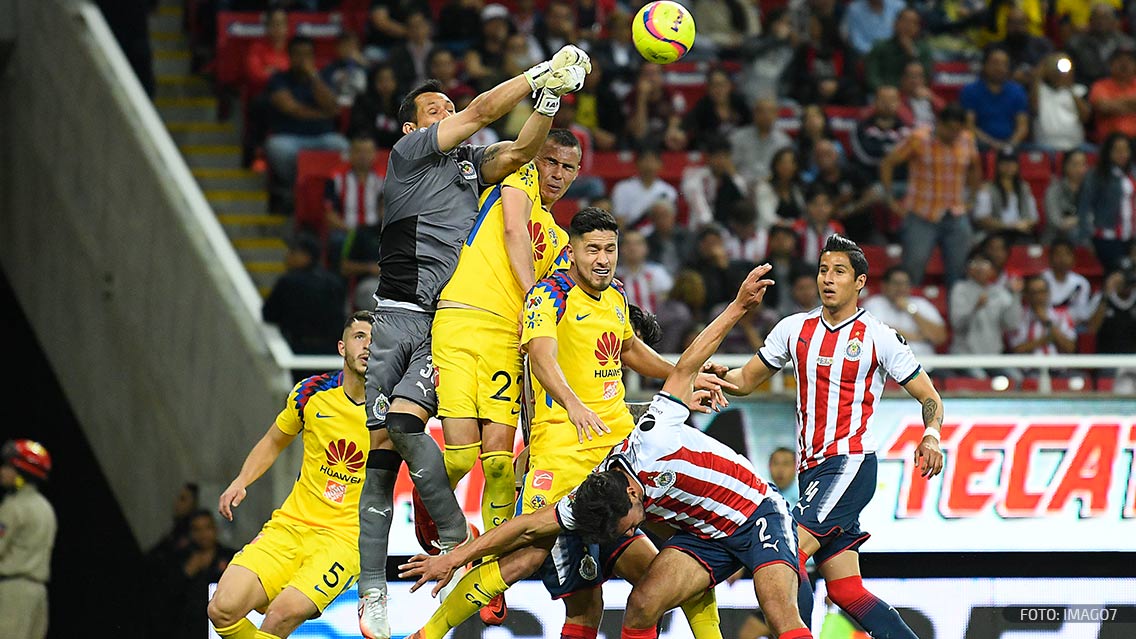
(27, 534)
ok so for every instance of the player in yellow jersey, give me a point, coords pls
(514, 243)
(578, 335)
(307, 553)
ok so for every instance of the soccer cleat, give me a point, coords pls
(424, 529)
(494, 612)
(442, 549)
(373, 620)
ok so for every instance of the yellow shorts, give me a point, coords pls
(479, 368)
(553, 475)
(314, 561)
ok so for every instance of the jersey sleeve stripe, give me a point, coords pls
(766, 362)
(913, 375)
(494, 195)
(313, 385)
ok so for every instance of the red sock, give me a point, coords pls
(576, 631)
(802, 559)
(640, 633)
(799, 633)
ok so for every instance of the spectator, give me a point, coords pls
(780, 199)
(997, 107)
(996, 248)
(1104, 205)
(817, 225)
(269, 56)
(484, 63)
(1114, 98)
(408, 57)
(803, 294)
(745, 241)
(1114, 318)
(631, 197)
(1092, 50)
(765, 58)
(655, 112)
(720, 112)
(885, 62)
(720, 274)
(352, 197)
(303, 108)
(713, 190)
(359, 266)
(880, 131)
(388, 26)
(441, 66)
(307, 301)
(1006, 205)
(867, 22)
(814, 128)
(981, 310)
(754, 145)
(847, 190)
(726, 24)
(599, 110)
(822, 69)
(557, 29)
(1076, 13)
(1061, 198)
(646, 283)
(177, 539)
(586, 187)
(1025, 49)
(918, 104)
(912, 316)
(347, 73)
(187, 580)
(942, 166)
(591, 15)
(682, 311)
(1069, 291)
(668, 244)
(376, 111)
(1044, 330)
(1059, 106)
(458, 22)
(617, 55)
(784, 258)
(783, 473)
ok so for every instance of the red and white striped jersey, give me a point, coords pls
(1033, 327)
(648, 286)
(691, 481)
(840, 372)
(356, 201)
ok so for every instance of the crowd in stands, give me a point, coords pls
(971, 196)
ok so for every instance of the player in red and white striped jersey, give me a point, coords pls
(841, 357)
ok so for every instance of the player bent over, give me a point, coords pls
(307, 553)
(514, 243)
(841, 355)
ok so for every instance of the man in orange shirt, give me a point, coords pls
(1114, 98)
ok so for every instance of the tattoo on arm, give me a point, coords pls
(490, 154)
(930, 413)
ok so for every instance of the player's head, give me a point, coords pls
(783, 467)
(608, 504)
(558, 164)
(646, 325)
(355, 343)
(842, 273)
(593, 247)
(23, 460)
(426, 104)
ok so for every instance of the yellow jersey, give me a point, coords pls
(336, 441)
(483, 277)
(589, 333)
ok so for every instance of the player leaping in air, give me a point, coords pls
(841, 356)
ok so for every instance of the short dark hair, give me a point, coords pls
(201, 512)
(300, 40)
(716, 143)
(600, 502)
(816, 190)
(408, 110)
(952, 112)
(1030, 279)
(1062, 241)
(563, 137)
(193, 489)
(781, 229)
(359, 316)
(837, 243)
(591, 219)
(892, 271)
(646, 325)
(991, 50)
(783, 449)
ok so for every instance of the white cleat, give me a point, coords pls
(373, 620)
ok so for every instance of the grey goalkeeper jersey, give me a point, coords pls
(430, 206)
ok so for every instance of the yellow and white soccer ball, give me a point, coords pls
(663, 31)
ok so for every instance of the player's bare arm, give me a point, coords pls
(259, 459)
(518, 532)
(680, 382)
(504, 157)
(542, 353)
(928, 455)
(515, 208)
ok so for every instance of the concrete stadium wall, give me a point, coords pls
(135, 293)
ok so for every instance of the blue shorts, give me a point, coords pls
(833, 495)
(769, 536)
(573, 566)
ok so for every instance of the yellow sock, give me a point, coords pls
(243, 629)
(459, 460)
(702, 613)
(260, 634)
(499, 498)
(475, 590)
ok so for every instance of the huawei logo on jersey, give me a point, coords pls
(346, 452)
(607, 349)
(536, 234)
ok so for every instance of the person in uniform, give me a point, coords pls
(27, 535)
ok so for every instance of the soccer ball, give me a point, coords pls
(663, 31)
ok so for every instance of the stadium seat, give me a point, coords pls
(968, 384)
(563, 211)
(948, 78)
(1086, 263)
(313, 168)
(1027, 259)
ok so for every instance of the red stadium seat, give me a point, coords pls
(1036, 165)
(236, 30)
(313, 168)
(563, 211)
(968, 384)
(1105, 384)
(1087, 264)
(1027, 260)
(948, 79)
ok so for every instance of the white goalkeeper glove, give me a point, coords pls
(547, 103)
(566, 80)
(537, 75)
(571, 56)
